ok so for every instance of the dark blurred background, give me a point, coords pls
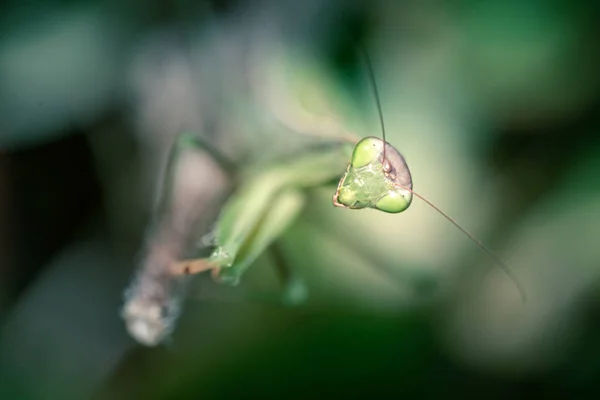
(494, 104)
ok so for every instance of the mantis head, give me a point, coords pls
(377, 177)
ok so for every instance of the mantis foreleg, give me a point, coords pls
(265, 205)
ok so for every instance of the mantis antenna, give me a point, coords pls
(376, 95)
(387, 167)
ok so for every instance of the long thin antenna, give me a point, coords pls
(456, 224)
(376, 94)
(476, 241)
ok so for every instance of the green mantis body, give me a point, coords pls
(271, 199)
(369, 172)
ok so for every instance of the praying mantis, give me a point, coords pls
(369, 173)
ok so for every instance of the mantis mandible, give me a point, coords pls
(269, 200)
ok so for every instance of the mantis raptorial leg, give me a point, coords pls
(267, 202)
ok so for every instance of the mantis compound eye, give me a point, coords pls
(394, 201)
(367, 151)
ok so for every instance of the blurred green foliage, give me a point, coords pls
(494, 105)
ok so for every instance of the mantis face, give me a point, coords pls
(377, 177)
